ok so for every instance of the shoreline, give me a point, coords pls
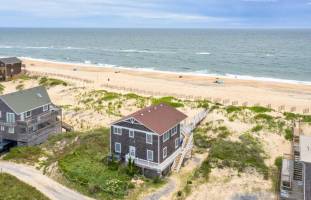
(227, 76)
(284, 96)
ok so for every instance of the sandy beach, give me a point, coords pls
(284, 96)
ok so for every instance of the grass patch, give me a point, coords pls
(259, 109)
(231, 109)
(51, 82)
(24, 154)
(257, 128)
(13, 189)
(1, 88)
(172, 101)
(239, 155)
(20, 87)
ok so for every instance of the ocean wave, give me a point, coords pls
(5, 47)
(40, 47)
(203, 53)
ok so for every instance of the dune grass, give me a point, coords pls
(13, 189)
(51, 82)
(172, 101)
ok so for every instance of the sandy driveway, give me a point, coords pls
(44, 184)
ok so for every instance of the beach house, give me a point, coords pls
(150, 137)
(28, 117)
(9, 67)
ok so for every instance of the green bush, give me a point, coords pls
(278, 162)
(289, 134)
(263, 116)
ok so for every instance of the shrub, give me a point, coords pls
(24, 153)
(278, 162)
(289, 134)
(263, 116)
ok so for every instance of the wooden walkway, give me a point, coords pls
(187, 145)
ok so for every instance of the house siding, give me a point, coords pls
(11, 70)
(46, 128)
(139, 142)
(170, 144)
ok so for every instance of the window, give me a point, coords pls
(174, 130)
(0, 114)
(11, 129)
(117, 147)
(117, 130)
(149, 155)
(148, 138)
(132, 151)
(131, 133)
(10, 117)
(164, 152)
(2, 128)
(45, 108)
(28, 114)
(176, 143)
(166, 136)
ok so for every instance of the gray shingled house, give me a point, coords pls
(9, 67)
(28, 117)
(150, 137)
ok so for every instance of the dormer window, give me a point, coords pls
(45, 108)
(28, 114)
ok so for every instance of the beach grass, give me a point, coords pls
(13, 189)
(51, 82)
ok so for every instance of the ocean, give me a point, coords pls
(280, 55)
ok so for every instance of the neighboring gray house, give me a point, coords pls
(150, 137)
(28, 117)
(296, 169)
(9, 67)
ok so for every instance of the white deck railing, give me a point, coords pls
(153, 165)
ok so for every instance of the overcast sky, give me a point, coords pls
(156, 13)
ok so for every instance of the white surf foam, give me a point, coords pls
(203, 53)
(196, 73)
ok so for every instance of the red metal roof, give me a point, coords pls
(159, 118)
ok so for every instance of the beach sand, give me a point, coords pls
(294, 97)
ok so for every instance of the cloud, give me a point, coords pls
(87, 8)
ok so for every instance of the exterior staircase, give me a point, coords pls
(297, 167)
(187, 145)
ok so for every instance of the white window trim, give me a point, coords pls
(11, 130)
(45, 108)
(166, 133)
(177, 144)
(164, 152)
(149, 159)
(2, 128)
(133, 133)
(115, 147)
(0, 114)
(174, 131)
(117, 130)
(7, 117)
(27, 116)
(148, 134)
